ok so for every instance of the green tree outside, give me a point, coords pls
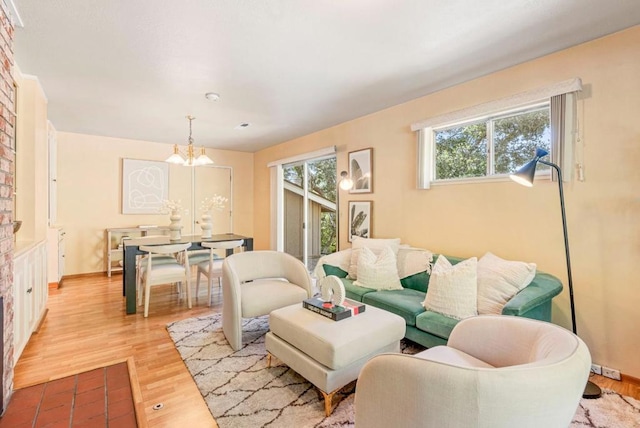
(464, 151)
(322, 182)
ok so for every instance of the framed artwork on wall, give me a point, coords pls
(361, 170)
(145, 185)
(360, 219)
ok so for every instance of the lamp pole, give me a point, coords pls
(525, 176)
(566, 243)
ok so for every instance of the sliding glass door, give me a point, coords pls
(309, 199)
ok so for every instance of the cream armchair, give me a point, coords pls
(254, 283)
(496, 371)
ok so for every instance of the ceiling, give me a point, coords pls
(135, 69)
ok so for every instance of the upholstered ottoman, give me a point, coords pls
(327, 353)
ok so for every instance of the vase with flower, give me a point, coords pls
(216, 202)
(175, 215)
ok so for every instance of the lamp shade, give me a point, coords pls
(175, 157)
(526, 174)
(203, 159)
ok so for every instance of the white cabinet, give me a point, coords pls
(30, 293)
(55, 237)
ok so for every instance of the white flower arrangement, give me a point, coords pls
(216, 202)
(171, 205)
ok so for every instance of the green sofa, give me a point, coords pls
(429, 328)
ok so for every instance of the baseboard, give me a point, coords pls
(41, 320)
(85, 275)
(630, 379)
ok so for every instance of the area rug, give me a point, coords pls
(241, 391)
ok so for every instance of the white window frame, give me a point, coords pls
(426, 143)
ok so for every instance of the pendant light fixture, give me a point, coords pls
(190, 159)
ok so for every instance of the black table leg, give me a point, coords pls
(129, 278)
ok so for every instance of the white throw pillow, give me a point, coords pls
(499, 280)
(375, 245)
(413, 260)
(453, 290)
(378, 272)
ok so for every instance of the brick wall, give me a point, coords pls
(7, 165)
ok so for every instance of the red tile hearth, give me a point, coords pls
(100, 397)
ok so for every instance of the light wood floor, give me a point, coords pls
(86, 326)
(628, 386)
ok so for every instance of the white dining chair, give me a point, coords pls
(212, 267)
(166, 272)
(142, 262)
(198, 256)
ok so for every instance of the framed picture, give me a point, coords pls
(359, 219)
(361, 170)
(145, 184)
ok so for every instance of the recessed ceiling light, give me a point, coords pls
(212, 96)
(242, 125)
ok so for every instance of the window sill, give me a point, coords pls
(544, 175)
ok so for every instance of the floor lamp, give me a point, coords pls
(525, 176)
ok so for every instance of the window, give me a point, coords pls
(493, 145)
(488, 141)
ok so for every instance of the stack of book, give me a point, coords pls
(349, 308)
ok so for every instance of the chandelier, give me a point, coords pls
(190, 159)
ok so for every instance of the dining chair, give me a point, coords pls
(165, 273)
(198, 256)
(142, 262)
(212, 267)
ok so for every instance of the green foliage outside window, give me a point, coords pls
(499, 145)
(322, 182)
(461, 152)
(328, 241)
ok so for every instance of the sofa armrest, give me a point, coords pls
(333, 264)
(542, 289)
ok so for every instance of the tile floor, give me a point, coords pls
(100, 397)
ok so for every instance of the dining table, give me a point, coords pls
(132, 250)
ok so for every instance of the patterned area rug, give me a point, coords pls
(242, 392)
